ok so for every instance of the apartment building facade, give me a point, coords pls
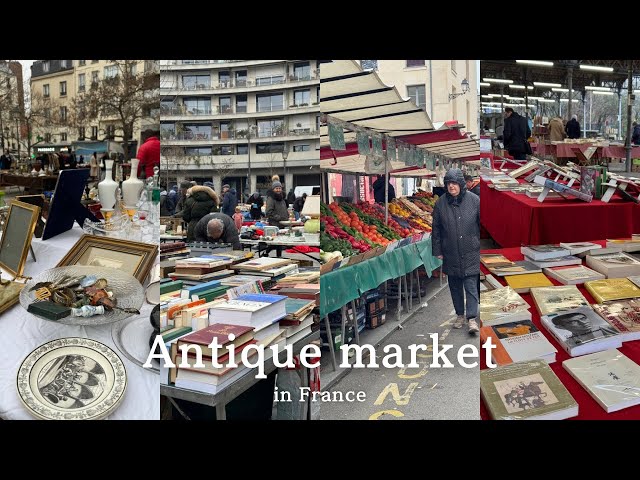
(11, 106)
(240, 122)
(437, 86)
(62, 81)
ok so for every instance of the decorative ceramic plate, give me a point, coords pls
(131, 336)
(126, 289)
(72, 379)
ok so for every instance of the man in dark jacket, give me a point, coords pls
(229, 200)
(217, 228)
(470, 186)
(635, 136)
(516, 132)
(291, 197)
(456, 240)
(298, 205)
(256, 202)
(378, 190)
(203, 200)
(573, 127)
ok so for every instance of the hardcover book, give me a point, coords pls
(555, 299)
(526, 391)
(581, 331)
(221, 332)
(610, 377)
(518, 342)
(624, 316)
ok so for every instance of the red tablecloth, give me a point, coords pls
(588, 407)
(564, 150)
(515, 219)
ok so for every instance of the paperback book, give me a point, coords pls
(502, 305)
(624, 316)
(518, 342)
(581, 331)
(526, 391)
(610, 377)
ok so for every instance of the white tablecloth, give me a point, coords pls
(21, 333)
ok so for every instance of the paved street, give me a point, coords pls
(415, 394)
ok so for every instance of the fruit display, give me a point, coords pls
(351, 229)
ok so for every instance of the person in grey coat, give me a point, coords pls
(456, 240)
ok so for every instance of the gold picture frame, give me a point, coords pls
(16, 236)
(135, 258)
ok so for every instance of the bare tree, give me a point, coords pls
(121, 99)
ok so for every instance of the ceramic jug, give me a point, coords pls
(132, 187)
(107, 188)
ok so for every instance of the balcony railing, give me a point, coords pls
(247, 82)
(237, 134)
(225, 110)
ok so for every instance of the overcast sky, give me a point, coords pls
(26, 68)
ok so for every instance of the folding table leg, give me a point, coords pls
(399, 298)
(343, 310)
(330, 340)
(355, 321)
(418, 282)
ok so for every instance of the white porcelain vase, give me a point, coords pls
(107, 188)
(132, 187)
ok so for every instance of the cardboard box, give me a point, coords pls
(376, 320)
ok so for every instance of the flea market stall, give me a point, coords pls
(375, 252)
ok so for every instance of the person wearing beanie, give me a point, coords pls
(229, 200)
(209, 184)
(202, 201)
(276, 210)
(456, 241)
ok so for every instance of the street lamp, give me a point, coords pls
(285, 154)
(465, 89)
(250, 129)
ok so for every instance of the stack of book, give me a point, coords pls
(547, 256)
(625, 244)
(260, 312)
(300, 277)
(267, 267)
(299, 320)
(173, 250)
(201, 269)
(211, 379)
(573, 274)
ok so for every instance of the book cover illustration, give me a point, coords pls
(525, 393)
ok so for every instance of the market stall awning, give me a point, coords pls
(447, 141)
(352, 95)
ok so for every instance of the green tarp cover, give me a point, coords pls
(339, 287)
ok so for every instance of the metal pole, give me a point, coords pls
(590, 110)
(386, 193)
(249, 159)
(570, 85)
(584, 115)
(619, 113)
(627, 143)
